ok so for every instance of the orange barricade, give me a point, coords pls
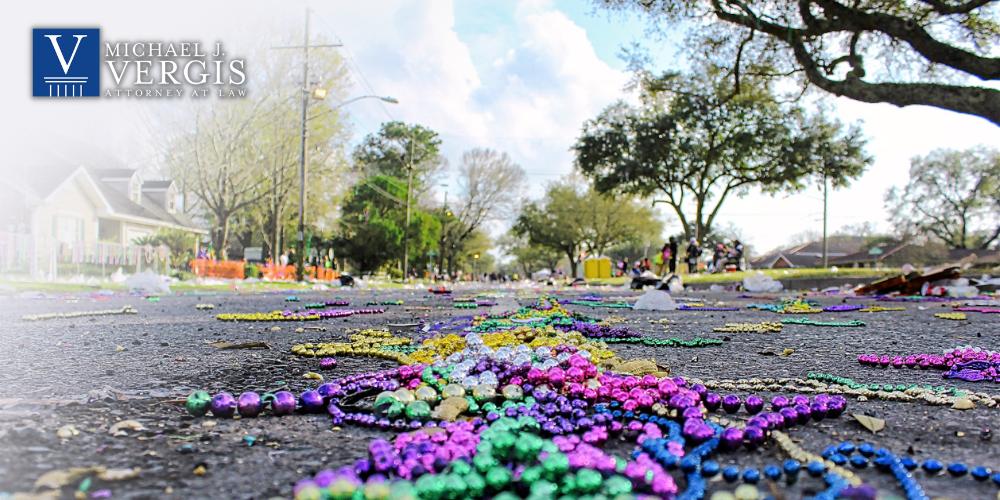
(277, 272)
(207, 268)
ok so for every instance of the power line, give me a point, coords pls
(356, 68)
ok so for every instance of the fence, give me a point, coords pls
(209, 268)
(43, 257)
(278, 272)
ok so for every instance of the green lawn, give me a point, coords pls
(778, 274)
(273, 286)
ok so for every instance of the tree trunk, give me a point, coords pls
(570, 253)
(220, 237)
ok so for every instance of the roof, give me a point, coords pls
(983, 256)
(112, 173)
(793, 259)
(42, 180)
(121, 204)
(810, 254)
(836, 245)
(888, 248)
(156, 185)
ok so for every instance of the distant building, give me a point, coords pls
(83, 214)
(979, 257)
(891, 252)
(808, 254)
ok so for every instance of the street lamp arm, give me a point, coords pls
(390, 100)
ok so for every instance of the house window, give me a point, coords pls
(67, 229)
(109, 230)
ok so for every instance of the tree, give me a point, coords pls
(214, 161)
(372, 225)
(916, 52)
(696, 140)
(397, 147)
(527, 256)
(489, 185)
(952, 195)
(278, 149)
(240, 158)
(574, 219)
(475, 257)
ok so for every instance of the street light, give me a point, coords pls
(318, 94)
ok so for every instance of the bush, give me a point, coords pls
(251, 271)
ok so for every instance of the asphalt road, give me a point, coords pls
(91, 372)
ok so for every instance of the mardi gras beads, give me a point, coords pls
(763, 327)
(270, 316)
(966, 363)
(843, 308)
(789, 306)
(689, 307)
(875, 309)
(671, 342)
(328, 303)
(854, 323)
(80, 314)
(953, 316)
(815, 386)
(979, 309)
(833, 379)
(608, 305)
(796, 452)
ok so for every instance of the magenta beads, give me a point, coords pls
(249, 404)
(283, 403)
(223, 405)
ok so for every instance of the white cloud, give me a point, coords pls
(525, 88)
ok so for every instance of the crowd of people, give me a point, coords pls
(723, 257)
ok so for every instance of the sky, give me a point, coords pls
(517, 76)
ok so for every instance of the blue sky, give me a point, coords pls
(515, 75)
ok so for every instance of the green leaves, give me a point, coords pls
(695, 140)
(575, 217)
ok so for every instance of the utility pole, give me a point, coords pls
(300, 268)
(406, 227)
(826, 260)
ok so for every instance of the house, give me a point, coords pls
(808, 254)
(83, 215)
(977, 258)
(893, 252)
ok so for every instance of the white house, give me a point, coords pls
(59, 215)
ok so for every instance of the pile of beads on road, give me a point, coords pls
(480, 418)
(965, 363)
(303, 315)
(790, 306)
(875, 309)
(954, 316)
(520, 404)
(979, 309)
(763, 327)
(79, 314)
(688, 307)
(854, 323)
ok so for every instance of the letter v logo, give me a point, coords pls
(66, 62)
(59, 53)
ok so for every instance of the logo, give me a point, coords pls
(66, 62)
